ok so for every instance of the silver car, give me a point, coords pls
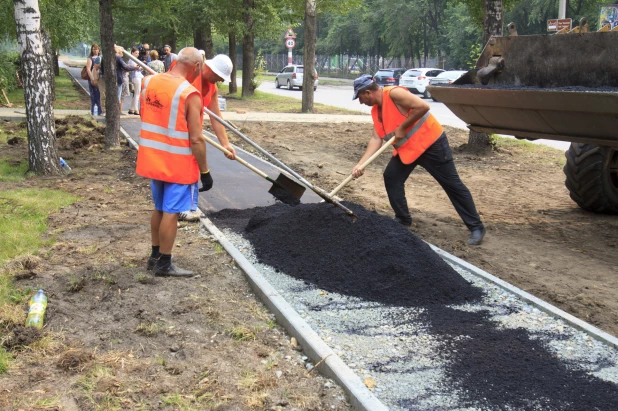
(292, 76)
(416, 80)
(447, 77)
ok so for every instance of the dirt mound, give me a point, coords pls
(73, 359)
(20, 337)
(74, 132)
(374, 258)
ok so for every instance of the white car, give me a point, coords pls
(416, 80)
(292, 76)
(448, 77)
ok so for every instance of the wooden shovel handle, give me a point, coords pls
(388, 144)
(240, 160)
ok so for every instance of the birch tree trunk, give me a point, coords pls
(309, 57)
(248, 52)
(37, 77)
(112, 105)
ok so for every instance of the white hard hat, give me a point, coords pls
(221, 65)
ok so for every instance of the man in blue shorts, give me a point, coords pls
(172, 153)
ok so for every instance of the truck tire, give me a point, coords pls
(592, 177)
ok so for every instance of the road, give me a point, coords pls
(341, 96)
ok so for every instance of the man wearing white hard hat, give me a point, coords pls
(214, 70)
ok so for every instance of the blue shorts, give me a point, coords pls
(174, 198)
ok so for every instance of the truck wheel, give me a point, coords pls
(592, 177)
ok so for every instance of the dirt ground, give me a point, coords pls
(537, 239)
(118, 338)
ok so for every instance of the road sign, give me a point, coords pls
(290, 34)
(559, 24)
(290, 43)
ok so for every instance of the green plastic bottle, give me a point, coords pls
(36, 314)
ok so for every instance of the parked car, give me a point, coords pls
(446, 77)
(417, 79)
(292, 76)
(388, 77)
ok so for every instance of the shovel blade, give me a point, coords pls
(287, 190)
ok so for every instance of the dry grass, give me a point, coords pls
(149, 329)
(242, 333)
(255, 388)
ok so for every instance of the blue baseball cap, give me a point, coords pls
(362, 83)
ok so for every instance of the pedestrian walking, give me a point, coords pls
(135, 77)
(92, 67)
(172, 153)
(121, 69)
(419, 140)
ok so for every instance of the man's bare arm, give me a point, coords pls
(198, 144)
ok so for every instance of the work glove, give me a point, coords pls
(207, 182)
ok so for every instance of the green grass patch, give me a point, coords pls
(5, 360)
(272, 103)
(23, 218)
(535, 153)
(12, 172)
(67, 96)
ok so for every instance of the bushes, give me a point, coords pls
(9, 64)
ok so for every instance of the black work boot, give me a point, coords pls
(476, 236)
(170, 269)
(403, 221)
(151, 263)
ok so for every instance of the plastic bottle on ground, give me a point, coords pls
(36, 314)
(64, 165)
(95, 112)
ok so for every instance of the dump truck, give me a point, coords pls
(560, 86)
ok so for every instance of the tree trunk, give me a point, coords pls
(232, 52)
(492, 26)
(55, 62)
(493, 18)
(47, 45)
(202, 40)
(112, 109)
(209, 47)
(198, 38)
(248, 57)
(37, 76)
(309, 56)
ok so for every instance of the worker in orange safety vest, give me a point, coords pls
(419, 140)
(214, 70)
(172, 153)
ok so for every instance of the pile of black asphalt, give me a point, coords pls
(377, 259)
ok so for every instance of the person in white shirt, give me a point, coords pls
(136, 79)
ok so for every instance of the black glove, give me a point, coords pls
(207, 182)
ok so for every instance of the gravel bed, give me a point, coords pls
(395, 347)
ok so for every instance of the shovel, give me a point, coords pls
(283, 188)
(315, 189)
(390, 141)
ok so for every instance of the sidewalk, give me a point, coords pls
(19, 114)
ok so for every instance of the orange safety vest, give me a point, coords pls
(164, 147)
(419, 136)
